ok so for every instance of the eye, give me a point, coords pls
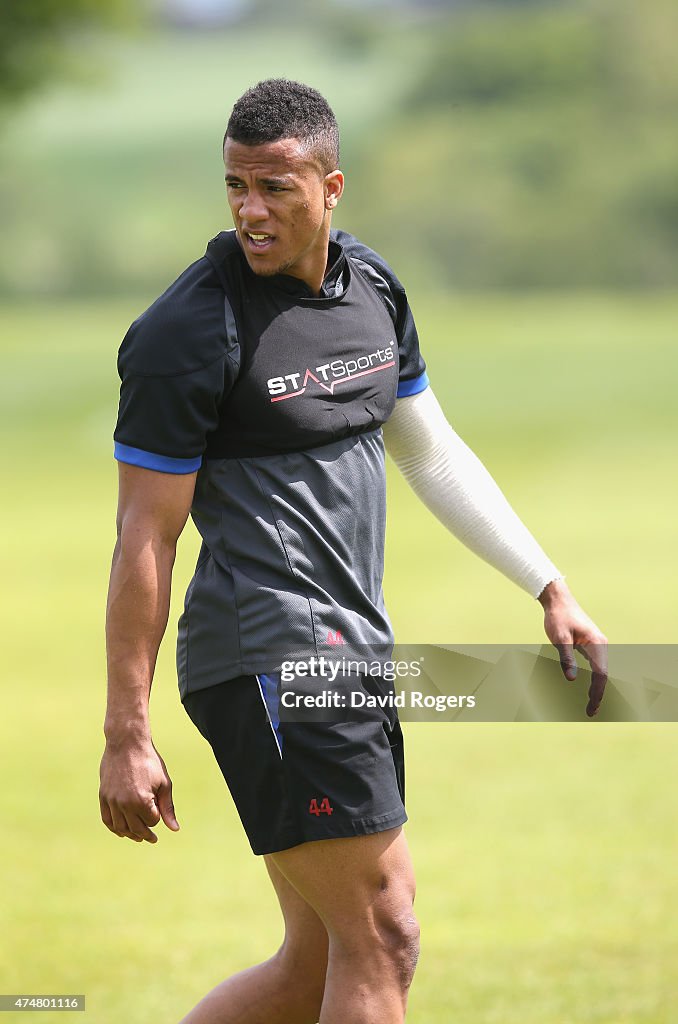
(234, 185)
(276, 188)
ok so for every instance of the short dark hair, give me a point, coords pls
(280, 109)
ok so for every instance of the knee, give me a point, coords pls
(398, 941)
(384, 944)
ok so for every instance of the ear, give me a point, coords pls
(334, 186)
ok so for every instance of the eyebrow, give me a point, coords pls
(286, 180)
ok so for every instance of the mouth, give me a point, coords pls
(257, 241)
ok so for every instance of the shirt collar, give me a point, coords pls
(334, 283)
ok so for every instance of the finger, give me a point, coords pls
(106, 814)
(596, 691)
(567, 660)
(596, 655)
(120, 826)
(149, 813)
(166, 806)
(139, 829)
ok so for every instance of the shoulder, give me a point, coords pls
(371, 261)
(379, 274)
(183, 330)
(376, 270)
(224, 250)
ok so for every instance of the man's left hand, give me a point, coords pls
(570, 629)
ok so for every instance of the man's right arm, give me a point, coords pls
(153, 507)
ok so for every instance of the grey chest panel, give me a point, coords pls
(292, 560)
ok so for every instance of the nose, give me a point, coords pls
(253, 208)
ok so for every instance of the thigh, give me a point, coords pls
(351, 882)
(235, 720)
(344, 764)
(304, 929)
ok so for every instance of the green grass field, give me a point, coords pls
(547, 888)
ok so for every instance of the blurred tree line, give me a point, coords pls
(34, 37)
(519, 144)
(538, 148)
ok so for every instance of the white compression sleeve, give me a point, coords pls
(453, 483)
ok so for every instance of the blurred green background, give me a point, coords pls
(518, 165)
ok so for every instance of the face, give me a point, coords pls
(282, 207)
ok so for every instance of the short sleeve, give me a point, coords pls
(412, 376)
(176, 364)
(163, 422)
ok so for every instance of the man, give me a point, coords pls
(254, 392)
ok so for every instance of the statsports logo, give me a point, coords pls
(329, 375)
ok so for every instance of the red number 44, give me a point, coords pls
(323, 808)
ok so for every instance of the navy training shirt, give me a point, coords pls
(276, 397)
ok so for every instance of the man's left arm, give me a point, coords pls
(453, 483)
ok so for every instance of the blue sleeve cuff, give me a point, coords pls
(149, 460)
(412, 387)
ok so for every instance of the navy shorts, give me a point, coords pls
(297, 776)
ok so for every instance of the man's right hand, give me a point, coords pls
(135, 790)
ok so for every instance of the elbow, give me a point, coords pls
(139, 538)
